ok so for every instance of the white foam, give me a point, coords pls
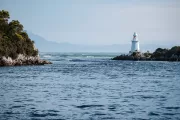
(47, 56)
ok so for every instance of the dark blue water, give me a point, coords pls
(87, 86)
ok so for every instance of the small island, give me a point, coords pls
(160, 54)
(16, 48)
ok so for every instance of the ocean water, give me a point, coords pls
(90, 86)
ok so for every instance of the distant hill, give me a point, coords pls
(49, 46)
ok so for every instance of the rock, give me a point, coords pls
(22, 60)
(46, 62)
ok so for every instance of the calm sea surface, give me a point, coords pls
(90, 86)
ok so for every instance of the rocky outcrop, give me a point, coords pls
(159, 54)
(22, 60)
(145, 58)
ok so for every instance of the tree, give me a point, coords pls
(13, 40)
(4, 16)
(15, 27)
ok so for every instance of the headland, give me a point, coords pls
(16, 48)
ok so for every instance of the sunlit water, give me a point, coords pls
(86, 86)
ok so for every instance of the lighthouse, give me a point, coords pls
(135, 43)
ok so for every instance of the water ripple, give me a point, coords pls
(81, 87)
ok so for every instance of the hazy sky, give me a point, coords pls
(99, 21)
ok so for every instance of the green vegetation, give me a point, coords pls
(172, 54)
(13, 39)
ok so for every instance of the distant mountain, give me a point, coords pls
(49, 46)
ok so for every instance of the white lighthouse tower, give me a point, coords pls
(135, 43)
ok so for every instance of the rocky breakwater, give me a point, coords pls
(22, 60)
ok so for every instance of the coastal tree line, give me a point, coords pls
(13, 39)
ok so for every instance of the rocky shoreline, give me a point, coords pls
(22, 60)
